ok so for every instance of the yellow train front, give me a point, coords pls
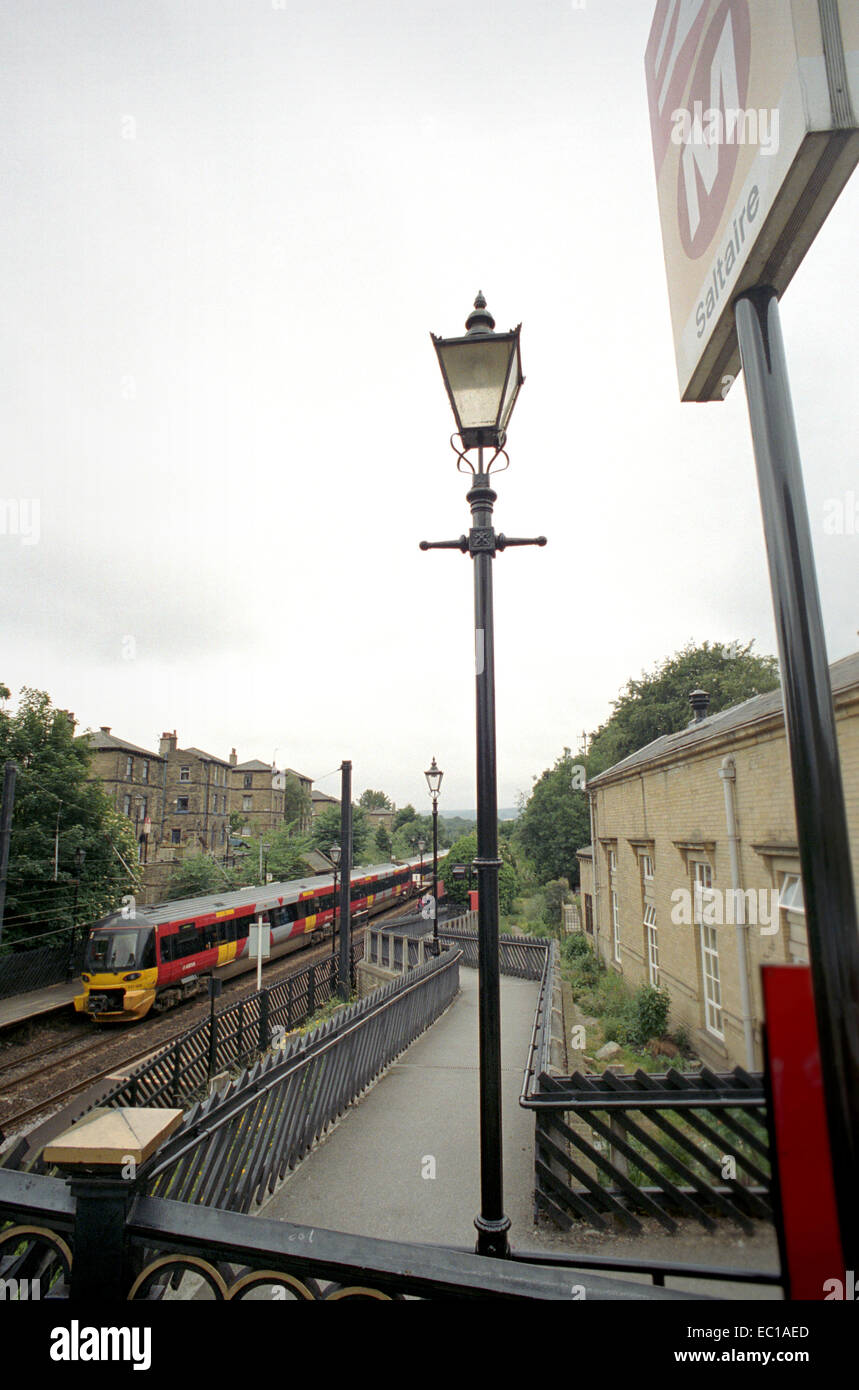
(120, 970)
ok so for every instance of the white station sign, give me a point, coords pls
(753, 113)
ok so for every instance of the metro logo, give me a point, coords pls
(707, 167)
(753, 120)
(671, 50)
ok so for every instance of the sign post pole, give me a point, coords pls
(824, 847)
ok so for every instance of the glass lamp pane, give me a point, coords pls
(476, 373)
(514, 381)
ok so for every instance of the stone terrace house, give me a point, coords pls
(658, 880)
(134, 779)
(254, 795)
(196, 800)
(321, 801)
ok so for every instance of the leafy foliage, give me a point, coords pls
(555, 822)
(555, 893)
(197, 875)
(326, 832)
(374, 801)
(54, 799)
(462, 852)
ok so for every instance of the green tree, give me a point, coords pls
(555, 821)
(287, 854)
(56, 806)
(404, 814)
(383, 841)
(658, 703)
(419, 827)
(326, 832)
(555, 894)
(374, 801)
(283, 853)
(197, 875)
(463, 851)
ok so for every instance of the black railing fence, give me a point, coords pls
(520, 956)
(232, 1038)
(234, 1148)
(660, 1145)
(147, 1242)
(38, 961)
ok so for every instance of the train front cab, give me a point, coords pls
(119, 972)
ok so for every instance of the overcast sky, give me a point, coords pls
(229, 229)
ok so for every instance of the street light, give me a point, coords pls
(434, 775)
(482, 375)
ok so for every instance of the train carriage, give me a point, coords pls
(150, 958)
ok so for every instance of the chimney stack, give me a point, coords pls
(233, 758)
(700, 702)
(167, 744)
(105, 728)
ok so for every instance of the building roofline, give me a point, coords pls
(728, 727)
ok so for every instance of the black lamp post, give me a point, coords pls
(483, 373)
(434, 776)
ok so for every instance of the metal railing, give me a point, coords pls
(145, 1243)
(39, 961)
(233, 1149)
(521, 956)
(619, 1146)
(231, 1038)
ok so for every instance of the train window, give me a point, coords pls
(189, 940)
(167, 945)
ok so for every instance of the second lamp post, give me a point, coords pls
(434, 775)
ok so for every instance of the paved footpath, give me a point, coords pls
(366, 1176)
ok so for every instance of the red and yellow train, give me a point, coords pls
(151, 958)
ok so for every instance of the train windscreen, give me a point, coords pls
(122, 948)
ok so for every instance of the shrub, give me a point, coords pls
(650, 1007)
(575, 947)
(555, 894)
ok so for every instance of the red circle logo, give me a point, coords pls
(712, 126)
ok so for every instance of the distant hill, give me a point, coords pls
(504, 813)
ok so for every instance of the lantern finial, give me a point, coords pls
(480, 320)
